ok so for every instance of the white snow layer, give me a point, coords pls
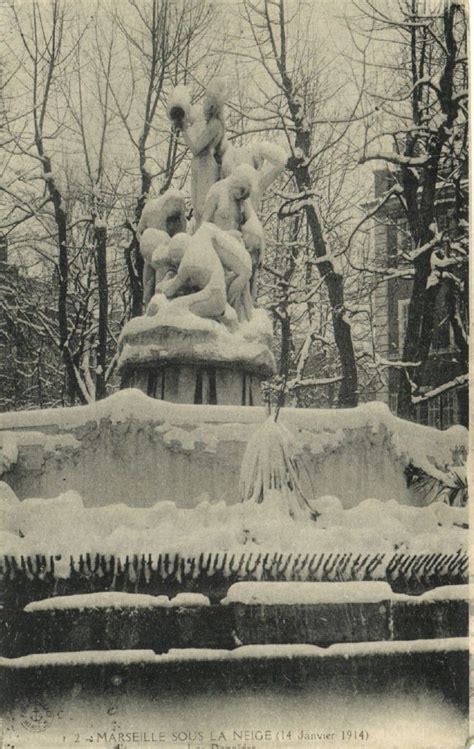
(252, 593)
(63, 526)
(111, 599)
(104, 600)
(245, 652)
(177, 336)
(133, 404)
(8, 452)
(309, 593)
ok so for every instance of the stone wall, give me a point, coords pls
(134, 449)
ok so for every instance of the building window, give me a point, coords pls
(403, 236)
(393, 401)
(434, 411)
(446, 221)
(422, 413)
(402, 322)
(443, 336)
(449, 409)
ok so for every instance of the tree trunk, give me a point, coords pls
(100, 236)
(348, 392)
(421, 211)
(133, 258)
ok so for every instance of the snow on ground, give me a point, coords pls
(63, 526)
(314, 714)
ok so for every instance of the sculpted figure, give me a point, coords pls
(229, 206)
(214, 263)
(167, 213)
(160, 216)
(205, 138)
(267, 159)
(148, 243)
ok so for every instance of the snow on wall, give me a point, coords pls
(137, 450)
(255, 593)
(309, 593)
(245, 652)
(117, 600)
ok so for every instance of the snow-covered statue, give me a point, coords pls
(154, 244)
(201, 340)
(216, 265)
(204, 135)
(229, 206)
(161, 216)
(167, 213)
(149, 240)
(268, 160)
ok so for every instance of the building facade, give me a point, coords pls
(390, 309)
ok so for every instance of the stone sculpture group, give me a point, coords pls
(209, 267)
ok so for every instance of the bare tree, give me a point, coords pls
(161, 41)
(423, 115)
(59, 212)
(289, 106)
(42, 35)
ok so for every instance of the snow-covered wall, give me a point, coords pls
(138, 450)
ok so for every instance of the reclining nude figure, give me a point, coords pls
(217, 265)
(165, 215)
(158, 266)
(228, 206)
(148, 242)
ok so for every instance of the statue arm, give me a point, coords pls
(210, 207)
(251, 220)
(148, 282)
(207, 134)
(275, 158)
(232, 254)
(268, 175)
(168, 274)
(170, 286)
(252, 232)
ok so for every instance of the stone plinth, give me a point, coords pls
(188, 359)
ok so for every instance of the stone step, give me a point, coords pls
(352, 668)
(39, 629)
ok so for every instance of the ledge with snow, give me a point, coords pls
(137, 450)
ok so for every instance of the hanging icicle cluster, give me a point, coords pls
(271, 466)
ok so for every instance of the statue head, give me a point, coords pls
(150, 240)
(179, 105)
(242, 181)
(177, 247)
(214, 99)
(173, 207)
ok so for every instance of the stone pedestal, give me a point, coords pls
(192, 360)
